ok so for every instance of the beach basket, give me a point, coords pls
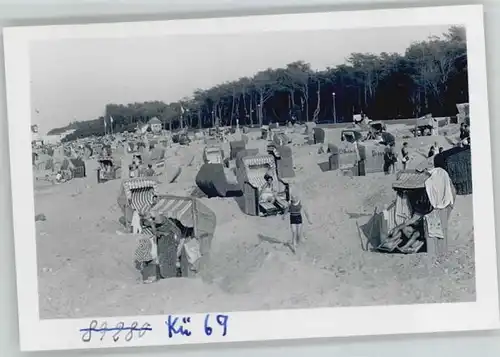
(319, 135)
(457, 162)
(235, 147)
(372, 157)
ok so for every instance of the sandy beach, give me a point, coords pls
(85, 261)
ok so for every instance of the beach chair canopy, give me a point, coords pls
(235, 147)
(310, 125)
(212, 149)
(254, 168)
(351, 135)
(213, 154)
(105, 158)
(106, 161)
(410, 180)
(424, 122)
(377, 125)
(190, 212)
(139, 191)
(281, 139)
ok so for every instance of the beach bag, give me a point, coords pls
(190, 258)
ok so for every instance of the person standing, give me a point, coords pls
(405, 155)
(295, 210)
(149, 172)
(432, 150)
(389, 159)
(462, 132)
(133, 171)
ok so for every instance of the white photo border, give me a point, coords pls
(57, 334)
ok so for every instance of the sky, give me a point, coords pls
(75, 79)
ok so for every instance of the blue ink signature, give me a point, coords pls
(179, 325)
(120, 327)
(177, 328)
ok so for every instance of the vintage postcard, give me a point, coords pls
(251, 178)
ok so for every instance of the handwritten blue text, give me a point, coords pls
(120, 327)
(181, 326)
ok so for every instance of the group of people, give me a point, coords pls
(63, 176)
(156, 229)
(391, 158)
(434, 150)
(136, 169)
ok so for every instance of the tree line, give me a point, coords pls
(430, 77)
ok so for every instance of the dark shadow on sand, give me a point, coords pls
(264, 238)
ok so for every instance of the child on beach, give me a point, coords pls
(296, 209)
(136, 223)
(405, 155)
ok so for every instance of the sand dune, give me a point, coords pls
(85, 264)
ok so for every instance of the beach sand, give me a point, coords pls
(85, 262)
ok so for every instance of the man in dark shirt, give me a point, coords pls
(463, 131)
(389, 159)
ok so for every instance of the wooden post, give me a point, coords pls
(195, 218)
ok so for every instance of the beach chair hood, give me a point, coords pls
(253, 169)
(139, 191)
(191, 213)
(372, 155)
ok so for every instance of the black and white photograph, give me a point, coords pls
(253, 171)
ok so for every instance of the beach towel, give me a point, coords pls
(192, 250)
(437, 231)
(439, 190)
(403, 209)
(434, 225)
(146, 247)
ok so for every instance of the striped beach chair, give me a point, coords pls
(193, 216)
(137, 194)
(250, 173)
